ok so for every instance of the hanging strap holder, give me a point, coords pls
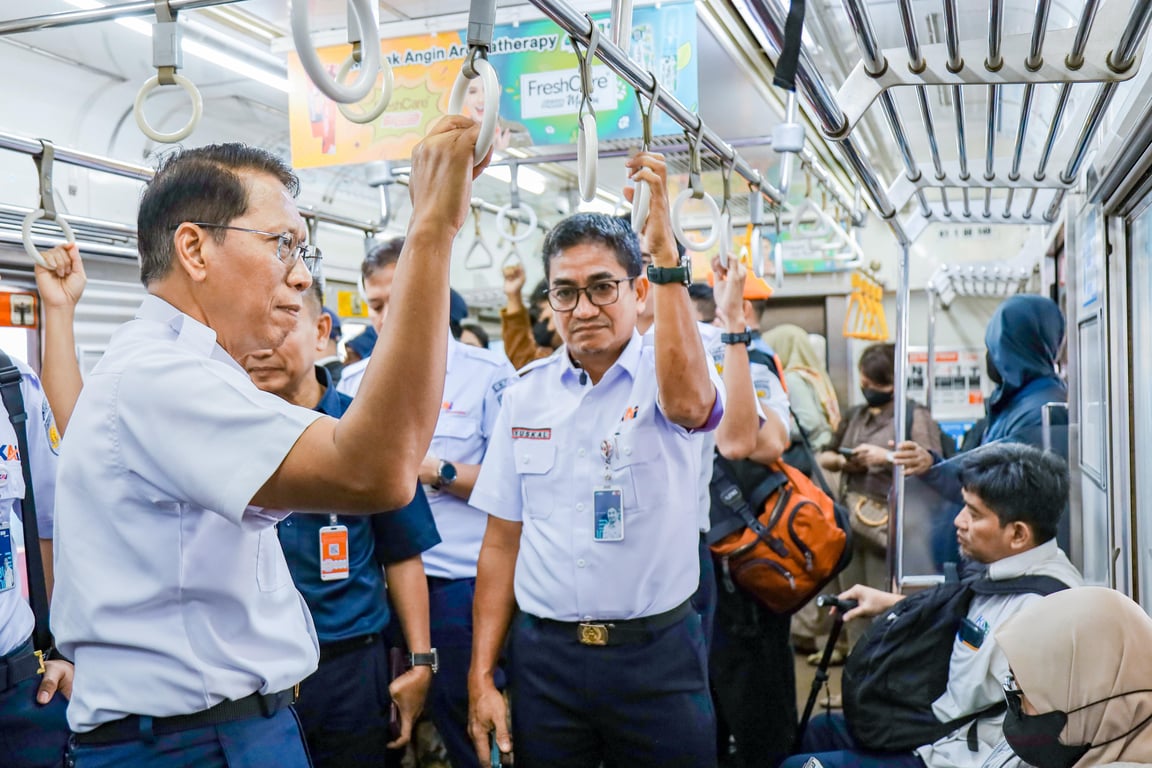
(479, 255)
(588, 140)
(44, 161)
(167, 54)
(642, 196)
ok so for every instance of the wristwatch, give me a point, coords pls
(665, 275)
(445, 475)
(744, 338)
(430, 659)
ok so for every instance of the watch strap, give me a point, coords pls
(667, 275)
(744, 338)
(430, 659)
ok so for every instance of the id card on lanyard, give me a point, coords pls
(7, 558)
(608, 501)
(333, 551)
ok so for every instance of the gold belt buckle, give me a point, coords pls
(593, 634)
(40, 658)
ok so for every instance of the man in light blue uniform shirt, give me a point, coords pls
(590, 484)
(475, 382)
(173, 596)
(33, 733)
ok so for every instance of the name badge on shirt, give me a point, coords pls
(608, 506)
(333, 552)
(7, 559)
(972, 633)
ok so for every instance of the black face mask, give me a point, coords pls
(875, 397)
(993, 374)
(542, 334)
(1036, 739)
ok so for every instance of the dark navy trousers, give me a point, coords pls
(639, 705)
(450, 609)
(345, 708)
(257, 742)
(704, 601)
(32, 736)
(829, 741)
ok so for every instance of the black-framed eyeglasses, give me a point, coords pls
(285, 252)
(600, 293)
(1013, 694)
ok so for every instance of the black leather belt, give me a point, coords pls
(336, 648)
(18, 666)
(616, 631)
(136, 727)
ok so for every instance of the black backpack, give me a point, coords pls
(900, 666)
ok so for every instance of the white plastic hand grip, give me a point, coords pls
(587, 157)
(504, 218)
(641, 199)
(725, 239)
(26, 231)
(183, 133)
(373, 111)
(491, 104)
(318, 72)
(713, 213)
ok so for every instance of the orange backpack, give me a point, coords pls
(785, 553)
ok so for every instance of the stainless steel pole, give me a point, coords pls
(896, 523)
(106, 13)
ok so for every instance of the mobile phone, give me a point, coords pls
(495, 757)
(847, 453)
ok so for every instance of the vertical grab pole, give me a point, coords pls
(930, 366)
(896, 528)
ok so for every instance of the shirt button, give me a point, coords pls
(580, 452)
(580, 563)
(526, 459)
(580, 507)
(627, 451)
(587, 618)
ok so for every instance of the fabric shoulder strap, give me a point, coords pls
(10, 379)
(1039, 585)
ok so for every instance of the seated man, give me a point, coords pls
(1014, 496)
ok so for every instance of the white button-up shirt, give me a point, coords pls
(16, 620)
(172, 593)
(351, 377)
(473, 388)
(544, 461)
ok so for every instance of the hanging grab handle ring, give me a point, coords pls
(368, 49)
(477, 63)
(479, 256)
(47, 209)
(371, 111)
(510, 213)
(642, 196)
(725, 238)
(696, 191)
(167, 58)
(587, 141)
(755, 236)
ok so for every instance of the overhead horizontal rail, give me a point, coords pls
(125, 170)
(580, 26)
(770, 16)
(106, 13)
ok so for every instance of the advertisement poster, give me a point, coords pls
(958, 387)
(539, 80)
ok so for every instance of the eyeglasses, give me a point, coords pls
(1012, 693)
(287, 255)
(601, 294)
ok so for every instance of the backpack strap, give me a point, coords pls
(10, 379)
(769, 361)
(733, 498)
(1038, 585)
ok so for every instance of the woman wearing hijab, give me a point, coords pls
(1080, 692)
(810, 390)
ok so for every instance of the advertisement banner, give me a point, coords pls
(539, 82)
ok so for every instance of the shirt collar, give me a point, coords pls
(628, 361)
(1018, 565)
(330, 400)
(190, 332)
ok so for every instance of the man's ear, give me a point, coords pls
(323, 328)
(1022, 536)
(188, 241)
(642, 290)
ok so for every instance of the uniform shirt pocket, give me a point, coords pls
(636, 466)
(534, 462)
(11, 480)
(271, 569)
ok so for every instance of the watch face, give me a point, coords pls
(447, 472)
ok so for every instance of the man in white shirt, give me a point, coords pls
(590, 484)
(173, 596)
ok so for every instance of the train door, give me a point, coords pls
(1095, 310)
